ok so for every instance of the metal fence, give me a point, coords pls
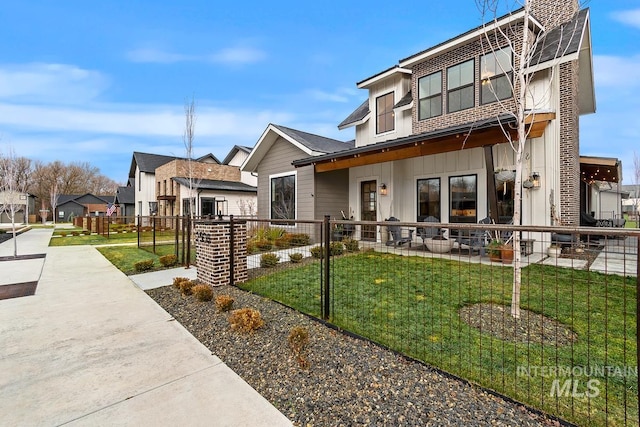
(444, 294)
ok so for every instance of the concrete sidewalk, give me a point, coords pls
(90, 348)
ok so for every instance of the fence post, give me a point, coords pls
(153, 232)
(638, 310)
(177, 241)
(188, 242)
(138, 229)
(327, 252)
(232, 257)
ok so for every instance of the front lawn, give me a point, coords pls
(412, 305)
(125, 257)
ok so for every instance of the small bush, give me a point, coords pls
(336, 248)
(351, 245)
(264, 245)
(283, 242)
(75, 233)
(298, 343)
(168, 260)
(202, 292)
(246, 320)
(224, 302)
(63, 234)
(143, 265)
(296, 257)
(269, 260)
(186, 286)
(178, 280)
(317, 252)
(299, 239)
(251, 248)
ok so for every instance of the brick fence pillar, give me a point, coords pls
(213, 252)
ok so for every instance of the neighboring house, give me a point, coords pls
(215, 189)
(142, 171)
(631, 201)
(24, 202)
(430, 142)
(602, 199)
(236, 157)
(125, 199)
(70, 206)
(288, 192)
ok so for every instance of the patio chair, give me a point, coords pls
(476, 239)
(396, 232)
(428, 232)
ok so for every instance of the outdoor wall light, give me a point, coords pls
(383, 190)
(535, 180)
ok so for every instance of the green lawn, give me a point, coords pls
(125, 257)
(114, 238)
(412, 304)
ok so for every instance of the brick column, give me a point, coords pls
(213, 254)
(569, 145)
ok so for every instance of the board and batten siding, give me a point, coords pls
(332, 194)
(277, 161)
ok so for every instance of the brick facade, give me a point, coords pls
(165, 186)
(213, 252)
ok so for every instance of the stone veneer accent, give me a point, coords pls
(213, 252)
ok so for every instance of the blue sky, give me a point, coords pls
(95, 81)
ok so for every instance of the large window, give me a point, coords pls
(495, 76)
(384, 113)
(430, 95)
(283, 197)
(463, 197)
(429, 198)
(460, 90)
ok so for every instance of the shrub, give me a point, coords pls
(186, 286)
(202, 292)
(251, 248)
(264, 245)
(351, 245)
(143, 265)
(336, 248)
(246, 320)
(75, 233)
(298, 343)
(283, 242)
(63, 234)
(317, 252)
(275, 233)
(299, 239)
(168, 260)
(296, 257)
(224, 302)
(178, 280)
(269, 260)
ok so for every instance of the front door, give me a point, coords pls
(368, 210)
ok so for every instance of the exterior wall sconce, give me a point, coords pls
(535, 180)
(383, 190)
(533, 183)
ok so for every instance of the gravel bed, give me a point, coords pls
(349, 381)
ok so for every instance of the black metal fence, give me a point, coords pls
(563, 339)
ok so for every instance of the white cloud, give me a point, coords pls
(47, 82)
(616, 71)
(628, 17)
(228, 56)
(340, 95)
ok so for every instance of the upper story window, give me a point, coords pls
(495, 75)
(384, 113)
(460, 90)
(430, 95)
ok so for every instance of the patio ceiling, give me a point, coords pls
(452, 139)
(600, 169)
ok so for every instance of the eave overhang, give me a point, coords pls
(488, 132)
(607, 169)
(395, 70)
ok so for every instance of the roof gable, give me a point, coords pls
(234, 151)
(147, 162)
(310, 144)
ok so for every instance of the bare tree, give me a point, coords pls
(187, 138)
(14, 175)
(636, 182)
(523, 40)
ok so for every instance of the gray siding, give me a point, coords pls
(277, 161)
(332, 194)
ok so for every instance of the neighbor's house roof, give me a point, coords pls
(125, 196)
(212, 184)
(65, 198)
(233, 152)
(312, 145)
(147, 162)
